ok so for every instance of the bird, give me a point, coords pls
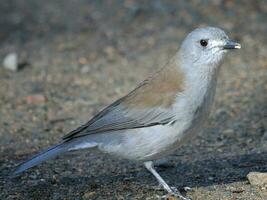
(162, 113)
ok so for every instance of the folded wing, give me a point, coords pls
(147, 105)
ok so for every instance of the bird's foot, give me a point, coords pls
(175, 193)
(187, 189)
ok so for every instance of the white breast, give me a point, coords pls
(192, 107)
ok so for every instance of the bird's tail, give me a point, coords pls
(41, 157)
(65, 146)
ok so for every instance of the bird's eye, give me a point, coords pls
(203, 43)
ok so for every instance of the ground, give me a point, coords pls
(82, 55)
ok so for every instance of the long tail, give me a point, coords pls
(41, 157)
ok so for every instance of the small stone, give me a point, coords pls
(172, 198)
(257, 178)
(89, 195)
(54, 179)
(36, 99)
(10, 62)
(85, 69)
(33, 176)
(110, 51)
(210, 178)
(82, 61)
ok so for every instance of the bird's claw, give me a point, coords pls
(187, 189)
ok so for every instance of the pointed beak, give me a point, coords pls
(231, 44)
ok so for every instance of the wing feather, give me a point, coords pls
(147, 105)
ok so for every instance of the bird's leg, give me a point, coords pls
(170, 190)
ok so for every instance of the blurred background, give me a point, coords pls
(63, 61)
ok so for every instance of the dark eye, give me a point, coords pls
(203, 43)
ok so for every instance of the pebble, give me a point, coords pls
(89, 195)
(33, 176)
(10, 62)
(172, 198)
(257, 178)
(36, 99)
(82, 61)
(85, 69)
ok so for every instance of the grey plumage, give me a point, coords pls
(40, 157)
(161, 113)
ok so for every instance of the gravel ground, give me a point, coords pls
(82, 55)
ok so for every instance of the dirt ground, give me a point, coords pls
(83, 55)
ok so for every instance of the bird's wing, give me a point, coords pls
(147, 105)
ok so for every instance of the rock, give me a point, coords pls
(172, 198)
(257, 178)
(82, 61)
(36, 99)
(10, 62)
(85, 69)
(89, 195)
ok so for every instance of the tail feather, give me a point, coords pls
(41, 157)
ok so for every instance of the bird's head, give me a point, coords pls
(206, 47)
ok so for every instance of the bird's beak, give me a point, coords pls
(231, 44)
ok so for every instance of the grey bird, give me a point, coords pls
(160, 114)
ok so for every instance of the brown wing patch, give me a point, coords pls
(159, 90)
